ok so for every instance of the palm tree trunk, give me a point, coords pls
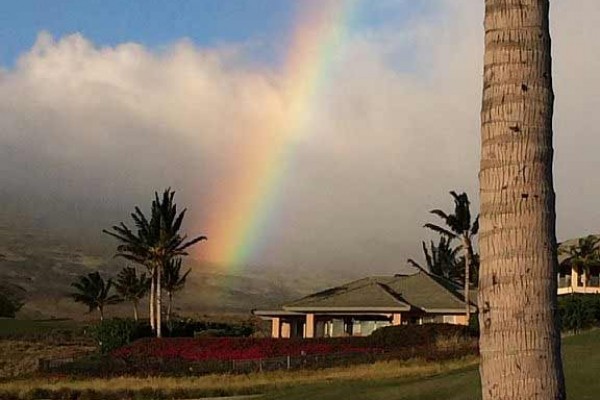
(101, 311)
(170, 306)
(520, 341)
(467, 252)
(153, 298)
(135, 310)
(158, 302)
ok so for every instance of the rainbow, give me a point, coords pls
(236, 228)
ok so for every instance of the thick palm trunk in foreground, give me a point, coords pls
(520, 342)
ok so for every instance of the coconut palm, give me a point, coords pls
(583, 255)
(94, 292)
(459, 225)
(440, 259)
(132, 287)
(173, 281)
(155, 241)
(520, 340)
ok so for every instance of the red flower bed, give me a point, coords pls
(191, 349)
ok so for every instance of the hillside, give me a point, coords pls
(45, 264)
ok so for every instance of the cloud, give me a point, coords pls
(88, 131)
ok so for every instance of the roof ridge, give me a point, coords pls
(393, 294)
(336, 290)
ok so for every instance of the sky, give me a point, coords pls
(102, 103)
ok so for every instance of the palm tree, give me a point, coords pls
(154, 243)
(94, 292)
(441, 259)
(132, 287)
(519, 339)
(461, 227)
(173, 281)
(583, 255)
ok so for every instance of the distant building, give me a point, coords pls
(577, 279)
(359, 307)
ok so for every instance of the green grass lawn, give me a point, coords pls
(581, 363)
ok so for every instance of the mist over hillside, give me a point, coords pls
(44, 264)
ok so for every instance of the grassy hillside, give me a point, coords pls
(44, 265)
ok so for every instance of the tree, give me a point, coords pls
(583, 255)
(154, 243)
(94, 292)
(11, 300)
(441, 259)
(173, 281)
(132, 287)
(519, 339)
(461, 227)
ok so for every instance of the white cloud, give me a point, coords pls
(90, 131)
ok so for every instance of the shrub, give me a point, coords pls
(417, 335)
(190, 328)
(114, 333)
(578, 312)
(9, 304)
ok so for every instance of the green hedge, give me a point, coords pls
(579, 311)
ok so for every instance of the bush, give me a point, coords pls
(9, 304)
(417, 335)
(578, 312)
(114, 333)
(190, 328)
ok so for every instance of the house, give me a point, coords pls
(359, 307)
(576, 278)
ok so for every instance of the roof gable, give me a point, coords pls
(367, 293)
(384, 293)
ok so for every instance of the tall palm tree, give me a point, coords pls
(520, 341)
(440, 259)
(156, 241)
(460, 226)
(583, 255)
(94, 292)
(173, 281)
(132, 287)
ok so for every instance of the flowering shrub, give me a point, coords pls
(200, 349)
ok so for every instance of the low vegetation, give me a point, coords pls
(392, 380)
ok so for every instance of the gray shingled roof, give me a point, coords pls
(384, 293)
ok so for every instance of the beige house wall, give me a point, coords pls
(309, 326)
(275, 327)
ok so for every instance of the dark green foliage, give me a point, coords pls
(117, 332)
(94, 292)
(154, 242)
(130, 286)
(9, 304)
(157, 239)
(441, 259)
(578, 312)
(191, 328)
(583, 254)
(417, 335)
(173, 281)
(459, 225)
(114, 333)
